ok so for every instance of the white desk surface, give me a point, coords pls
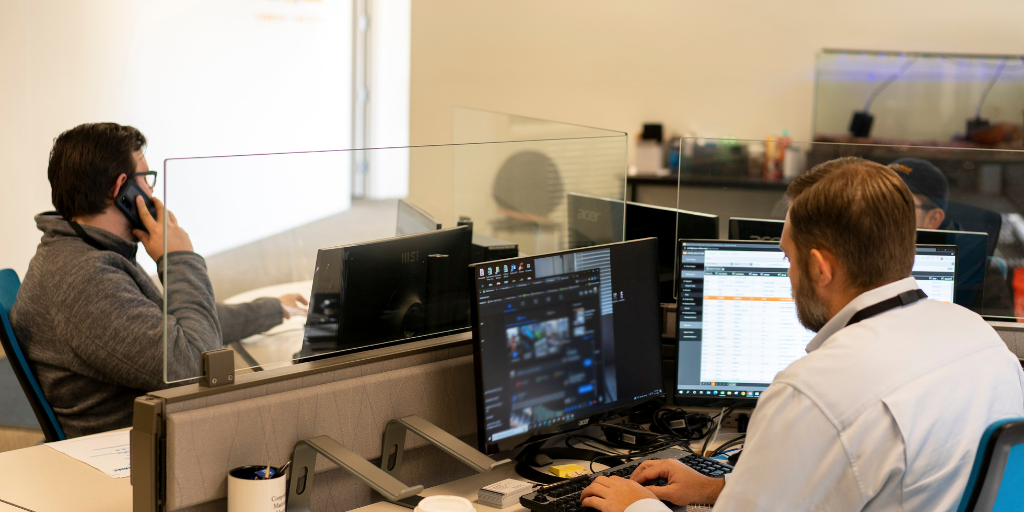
(275, 348)
(41, 479)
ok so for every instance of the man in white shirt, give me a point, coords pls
(886, 410)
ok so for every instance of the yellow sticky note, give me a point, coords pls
(564, 470)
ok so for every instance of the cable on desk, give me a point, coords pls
(695, 424)
(661, 443)
(721, 418)
(729, 444)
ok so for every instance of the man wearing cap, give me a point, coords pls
(930, 189)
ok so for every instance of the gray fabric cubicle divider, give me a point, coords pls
(1012, 335)
(228, 395)
(207, 436)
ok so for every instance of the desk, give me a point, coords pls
(41, 479)
(274, 348)
(468, 487)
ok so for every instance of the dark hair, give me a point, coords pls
(862, 213)
(85, 162)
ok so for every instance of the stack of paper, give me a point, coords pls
(503, 494)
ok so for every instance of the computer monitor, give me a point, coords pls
(388, 290)
(970, 265)
(971, 251)
(741, 228)
(598, 220)
(738, 325)
(412, 220)
(564, 339)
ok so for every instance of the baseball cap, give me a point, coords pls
(922, 177)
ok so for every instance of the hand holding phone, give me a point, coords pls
(126, 202)
(153, 237)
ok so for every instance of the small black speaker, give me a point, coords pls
(860, 125)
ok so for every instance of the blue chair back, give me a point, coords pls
(997, 478)
(9, 284)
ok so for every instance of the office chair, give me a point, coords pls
(9, 284)
(528, 187)
(997, 479)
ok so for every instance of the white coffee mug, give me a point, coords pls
(250, 491)
(444, 504)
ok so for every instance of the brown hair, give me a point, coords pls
(862, 213)
(85, 163)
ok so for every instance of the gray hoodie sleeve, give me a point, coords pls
(120, 332)
(238, 321)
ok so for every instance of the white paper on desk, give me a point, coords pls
(108, 452)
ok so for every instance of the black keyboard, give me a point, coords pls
(565, 496)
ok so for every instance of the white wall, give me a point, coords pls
(198, 77)
(731, 67)
(389, 98)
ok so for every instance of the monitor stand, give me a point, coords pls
(528, 459)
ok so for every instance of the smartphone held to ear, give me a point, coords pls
(126, 203)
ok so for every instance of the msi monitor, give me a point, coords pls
(389, 290)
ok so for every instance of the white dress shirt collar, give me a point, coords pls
(866, 299)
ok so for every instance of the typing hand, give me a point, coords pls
(613, 494)
(685, 486)
(177, 238)
(290, 305)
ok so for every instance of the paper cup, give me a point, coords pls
(248, 491)
(444, 504)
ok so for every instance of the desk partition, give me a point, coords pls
(186, 439)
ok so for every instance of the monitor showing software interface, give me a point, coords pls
(563, 337)
(737, 321)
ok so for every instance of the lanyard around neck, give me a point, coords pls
(903, 299)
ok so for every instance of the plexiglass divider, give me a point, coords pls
(266, 229)
(967, 197)
(548, 187)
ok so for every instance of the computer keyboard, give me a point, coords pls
(565, 496)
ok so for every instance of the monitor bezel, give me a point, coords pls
(540, 433)
(345, 286)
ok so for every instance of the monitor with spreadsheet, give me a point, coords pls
(737, 321)
(562, 340)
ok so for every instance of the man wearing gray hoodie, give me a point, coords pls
(90, 319)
